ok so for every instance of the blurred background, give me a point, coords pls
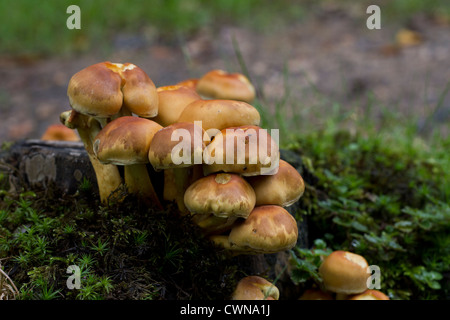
(310, 60)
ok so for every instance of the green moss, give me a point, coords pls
(125, 251)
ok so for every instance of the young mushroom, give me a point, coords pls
(344, 273)
(218, 200)
(59, 132)
(167, 152)
(125, 141)
(283, 188)
(219, 84)
(255, 288)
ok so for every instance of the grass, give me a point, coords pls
(31, 29)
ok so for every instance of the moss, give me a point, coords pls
(125, 251)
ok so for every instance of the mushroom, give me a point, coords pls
(344, 273)
(283, 188)
(125, 141)
(268, 229)
(104, 89)
(172, 101)
(255, 288)
(108, 176)
(139, 92)
(217, 200)
(248, 150)
(166, 152)
(220, 114)
(369, 294)
(59, 132)
(219, 84)
(190, 83)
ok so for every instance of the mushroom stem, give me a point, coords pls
(138, 182)
(181, 177)
(108, 177)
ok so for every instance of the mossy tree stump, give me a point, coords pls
(37, 164)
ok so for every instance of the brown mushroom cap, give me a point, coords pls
(219, 84)
(283, 188)
(59, 132)
(255, 288)
(95, 91)
(369, 294)
(171, 138)
(102, 89)
(247, 150)
(172, 101)
(220, 114)
(222, 194)
(268, 229)
(344, 272)
(139, 92)
(190, 83)
(125, 140)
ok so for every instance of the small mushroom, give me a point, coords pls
(167, 152)
(255, 288)
(344, 273)
(283, 188)
(268, 229)
(125, 141)
(218, 200)
(219, 84)
(59, 132)
(248, 150)
(172, 101)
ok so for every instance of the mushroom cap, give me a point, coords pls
(255, 288)
(139, 91)
(101, 90)
(248, 150)
(268, 229)
(219, 84)
(190, 83)
(282, 188)
(223, 194)
(125, 140)
(59, 132)
(344, 272)
(96, 91)
(166, 144)
(315, 294)
(172, 101)
(369, 294)
(220, 114)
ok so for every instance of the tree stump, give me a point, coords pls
(64, 165)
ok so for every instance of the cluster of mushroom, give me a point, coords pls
(237, 196)
(344, 276)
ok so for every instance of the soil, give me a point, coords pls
(331, 53)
